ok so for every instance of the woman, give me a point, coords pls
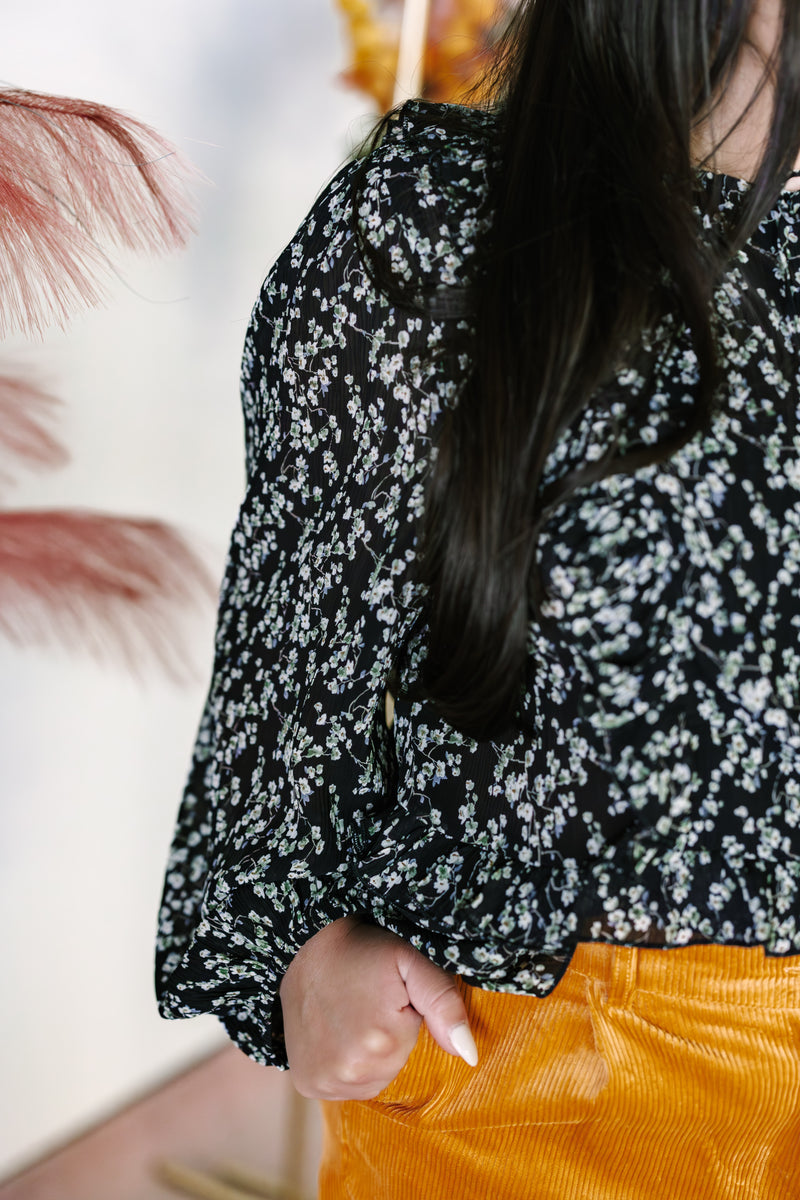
(521, 402)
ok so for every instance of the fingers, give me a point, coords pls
(348, 1025)
(435, 996)
(353, 999)
(360, 1068)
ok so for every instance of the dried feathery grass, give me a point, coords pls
(26, 440)
(114, 585)
(77, 178)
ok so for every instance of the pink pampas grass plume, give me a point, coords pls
(114, 585)
(76, 178)
(108, 584)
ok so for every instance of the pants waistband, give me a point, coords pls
(741, 975)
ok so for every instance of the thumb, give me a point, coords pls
(435, 996)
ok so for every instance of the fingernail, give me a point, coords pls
(463, 1043)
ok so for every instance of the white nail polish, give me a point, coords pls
(463, 1043)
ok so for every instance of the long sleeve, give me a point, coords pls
(340, 394)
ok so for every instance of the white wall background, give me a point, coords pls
(92, 762)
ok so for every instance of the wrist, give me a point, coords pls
(323, 941)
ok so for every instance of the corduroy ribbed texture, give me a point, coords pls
(646, 1074)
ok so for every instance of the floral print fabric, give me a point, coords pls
(654, 795)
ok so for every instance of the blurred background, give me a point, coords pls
(92, 761)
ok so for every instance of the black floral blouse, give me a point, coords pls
(654, 799)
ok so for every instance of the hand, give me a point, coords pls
(353, 999)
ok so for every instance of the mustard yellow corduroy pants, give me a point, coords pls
(646, 1074)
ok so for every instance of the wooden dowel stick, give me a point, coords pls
(409, 79)
(255, 1183)
(197, 1183)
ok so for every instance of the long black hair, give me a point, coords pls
(595, 237)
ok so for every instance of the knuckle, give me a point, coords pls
(369, 1068)
(356, 1074)
(378, 1043)
(369, 1057)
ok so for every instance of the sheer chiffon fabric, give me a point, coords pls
(652, 793)
(647, 1073)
